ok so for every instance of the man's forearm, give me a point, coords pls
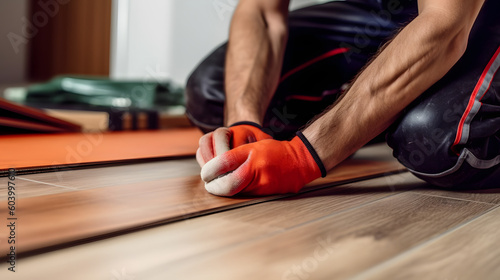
(253, 63)
(420, 55)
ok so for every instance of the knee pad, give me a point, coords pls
(420, 142)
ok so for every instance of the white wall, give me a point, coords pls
(160, 39)
(12, 64)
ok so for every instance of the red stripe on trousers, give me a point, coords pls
(305, 97)
(472, 99)
(312, 61)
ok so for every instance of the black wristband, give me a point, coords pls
(247, 123)
(313, 153)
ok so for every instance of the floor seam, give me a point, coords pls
(455, 198)
(49, 184)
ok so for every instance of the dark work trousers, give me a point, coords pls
(449, 136)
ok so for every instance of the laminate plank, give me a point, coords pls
(65, 180)
(112, 175)
(364, 159)
(138, 173)
(116, 175)
(468, 252)
(60, 218)
(317, 204)
(358, 169)
(53, 151)
(39, 184)
(135, 253)
(334, 247)
(137, 250)
(222, 247)
(123, 206)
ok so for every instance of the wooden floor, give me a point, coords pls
(391, 227)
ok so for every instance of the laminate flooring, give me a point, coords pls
(80, 205)
(384, 224)
(383, 228)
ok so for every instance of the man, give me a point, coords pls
(425, 70)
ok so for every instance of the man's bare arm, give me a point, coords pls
(256, 46)
(421, 54)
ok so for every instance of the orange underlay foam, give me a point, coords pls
(42, 151)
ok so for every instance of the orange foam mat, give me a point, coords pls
(42, 151)
(64, 218)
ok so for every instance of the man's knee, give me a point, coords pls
(421, 141)
(205, 92)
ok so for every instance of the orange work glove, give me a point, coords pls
(263, 168)
(224, 139)
(246, 132)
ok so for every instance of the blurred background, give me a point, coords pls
(115, 56)
(122, 39)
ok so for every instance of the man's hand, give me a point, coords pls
(263, 168)
(246, 132)
(223, 139)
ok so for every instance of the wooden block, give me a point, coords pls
(88, 120)
(468, 252)
(98, 121)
